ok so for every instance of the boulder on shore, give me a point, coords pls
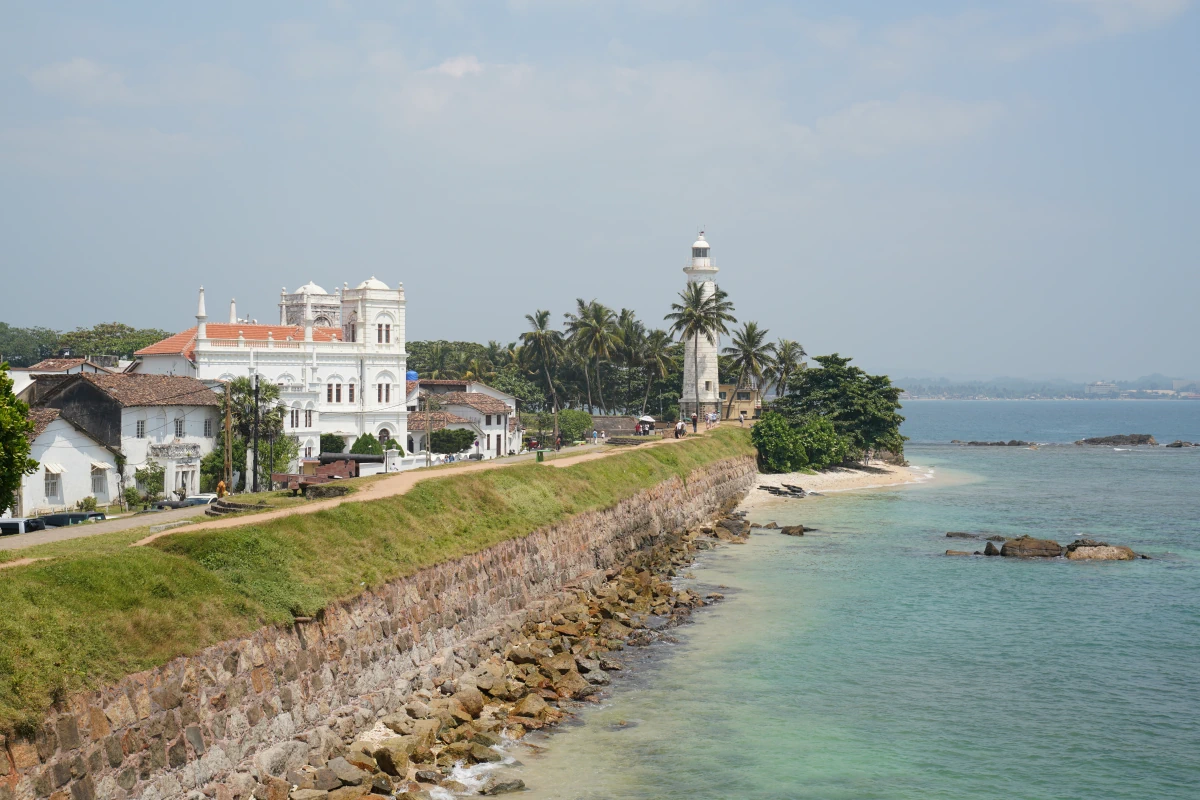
(1180, 443)
(1127, 439)
(991, 549)
(792, 530)
(1028, 547)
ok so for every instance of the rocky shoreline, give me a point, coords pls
(497, 698)
(1029, 547)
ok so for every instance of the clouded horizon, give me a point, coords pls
(934, 188)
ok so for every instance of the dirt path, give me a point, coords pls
(397, 484)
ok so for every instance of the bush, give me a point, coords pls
(780, 448)
(87, 504)
(133, 497)
(574, 424)
(451, 440)
(332, 443)
(150, 481)
(366, 444)
(822, 445)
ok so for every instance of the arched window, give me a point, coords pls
(385, 436)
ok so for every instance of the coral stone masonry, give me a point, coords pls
(246, 717)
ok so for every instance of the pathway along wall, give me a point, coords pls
(214, 724)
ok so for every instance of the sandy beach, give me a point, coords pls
(874, 475)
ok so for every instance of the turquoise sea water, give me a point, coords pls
(861, 662)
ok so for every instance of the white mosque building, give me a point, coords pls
(702, 270)
(338, 359)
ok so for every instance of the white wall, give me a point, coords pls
(160, 431)
(63, 443)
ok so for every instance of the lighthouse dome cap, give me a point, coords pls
(701, 242)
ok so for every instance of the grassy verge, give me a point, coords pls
(100, 609)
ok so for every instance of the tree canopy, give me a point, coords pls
(15, 428)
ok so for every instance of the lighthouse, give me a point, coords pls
(700, 270)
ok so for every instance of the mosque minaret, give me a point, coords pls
(701, 270)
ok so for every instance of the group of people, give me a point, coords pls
(643, 428)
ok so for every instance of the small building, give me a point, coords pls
(1101, 389)
(72, 465)
(170, 420)
(28, 382)
(488, 411)
(745, 399)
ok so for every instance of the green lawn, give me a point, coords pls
(101, 609)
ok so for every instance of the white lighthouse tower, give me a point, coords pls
(700, 270)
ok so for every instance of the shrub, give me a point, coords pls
(133, 497)
(366, 444)
(822, 445)
(87, 504)
(451, 440)
(150, 481)
(332, 443)
(574, 424)
(780, 448)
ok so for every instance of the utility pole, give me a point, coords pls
(255, 432)
(428, 426)
(228, 442)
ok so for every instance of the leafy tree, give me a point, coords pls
(823, 447)
(133, 497)
(24, 347)
(366, 444)
(15, 429)
(700, 315)
(752, 354)
(451, 440)
(212, 466)
(862, 408)
(276, 454)
(574, 424)
(780, 448)
(150, 481)
(332, 443)
(110, 339)
(593, 335)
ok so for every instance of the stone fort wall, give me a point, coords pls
(218, 723)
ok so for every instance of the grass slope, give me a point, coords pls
(101, 609)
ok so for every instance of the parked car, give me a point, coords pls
(20, 525)
(66, 518)
(200, 499)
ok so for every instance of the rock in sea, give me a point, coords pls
(1106, 553)
(1028, 547)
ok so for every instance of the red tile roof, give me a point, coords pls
(145, 390)
(445, 382)
(185, 343)
(476, 400)
(42, 417)
(417, 420)
(58, 364)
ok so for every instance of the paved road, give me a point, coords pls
(23, 540)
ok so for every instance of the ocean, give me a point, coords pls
(861, 662)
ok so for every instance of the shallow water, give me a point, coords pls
(860, 662)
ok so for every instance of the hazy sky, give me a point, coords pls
(931, 187)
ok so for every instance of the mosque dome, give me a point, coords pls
(310, 288)
(373, 283)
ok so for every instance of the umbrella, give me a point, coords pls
(645, 419)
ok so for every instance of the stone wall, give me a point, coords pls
(218, 723)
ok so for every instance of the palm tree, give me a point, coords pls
(594, 337)
(633, 343)
(441, 362)
(789, 355)
(751, 355)
(542, 346)
(700, 315)
(655, 359)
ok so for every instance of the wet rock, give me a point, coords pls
(497, 786)
(958, 552)
(1028, 547)
(611, 665)
(531, 706)
(961, 535)
(1127, 439)
(454, 786)
(792, 530)
(991, 550)
(392, 755)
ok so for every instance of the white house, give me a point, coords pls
(135, 419)
(345, 376)
(25, 378)
(486, 410)
(72, 465)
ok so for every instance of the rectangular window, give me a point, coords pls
(308, 417)
(99, 484)
(51, 485)
(329, 393)
(489, 441)
(379, 333)
(387, 334)
(178, 428)
(350, 390)
(208, 428)
(708, 386)
(723, 395)
(412, 408)
(489, 420)
(141, 429)
(743, 395)
(308, 452)
(379, 393)
(337, 393)
(387, 393)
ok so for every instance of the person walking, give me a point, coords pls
(595, 437)
(558, 443)
(742, 417)
(695, 425)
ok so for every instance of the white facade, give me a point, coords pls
(700, 270)
(71, 466)
(485, 410)
(176, 437)
(347, 380)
